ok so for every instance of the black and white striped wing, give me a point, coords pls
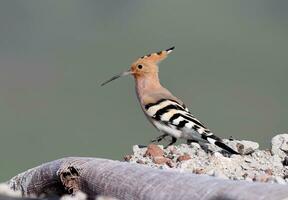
(174, 118)
(173, 115)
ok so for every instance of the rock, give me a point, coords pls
(77, 196)
(140, 161)
(279, 145)
(127, 157)
(154, 150)
(276, 161)
(244, 147)
(105, 198)
(170, 156)
(170, 164)
(285, 161)
(220, 174)
(211, 172)
(248, 159)
(279, 180)
(136, 149)
(262, 178)
(160, 160)
(172, 149)
(183, 157)
(248, 179)
(198, 171)
(268, 171)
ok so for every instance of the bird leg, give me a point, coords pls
(159, 138)
(174, 139)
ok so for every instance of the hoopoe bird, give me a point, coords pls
(165, 111)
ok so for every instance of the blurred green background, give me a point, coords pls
(229, 67)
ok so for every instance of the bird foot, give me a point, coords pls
(159, 138)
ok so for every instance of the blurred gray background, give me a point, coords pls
(230, 67)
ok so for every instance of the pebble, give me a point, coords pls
(183, 157)
(127, 157)
(248, 179)
(285, 161)
(160, 160)
(280, 180)
(269, 171)
(154, 150)
(136, 149)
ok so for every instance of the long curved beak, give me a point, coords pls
(117, 76)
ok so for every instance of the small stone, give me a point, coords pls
(127, 157)
(285, 161)
(136, 149)
(78, 195)
(211, 172)
(268, 171)
(140, 161)
(160, 160)
(285, 176)
(183, 157)
(172, 149)
(154, 150)
(249, 179)
(248, 159)
(237, 178)
(170, 164)
(170, 156)
(245, 175)
(103, 198)
(195, 145)
(198, 171)
(279, 180)
(240, 148)
(262, 178)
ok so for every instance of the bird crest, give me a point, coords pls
(155, 58)
(149, 64)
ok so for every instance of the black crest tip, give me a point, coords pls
(170, 49)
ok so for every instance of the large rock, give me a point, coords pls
(279, 145)
(244, 147)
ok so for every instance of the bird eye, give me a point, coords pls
(140, 66)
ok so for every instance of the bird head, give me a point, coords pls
(144, 66)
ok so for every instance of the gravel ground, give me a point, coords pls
(253, 165)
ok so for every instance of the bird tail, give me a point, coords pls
(212, 139)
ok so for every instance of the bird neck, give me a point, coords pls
(146, 83)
